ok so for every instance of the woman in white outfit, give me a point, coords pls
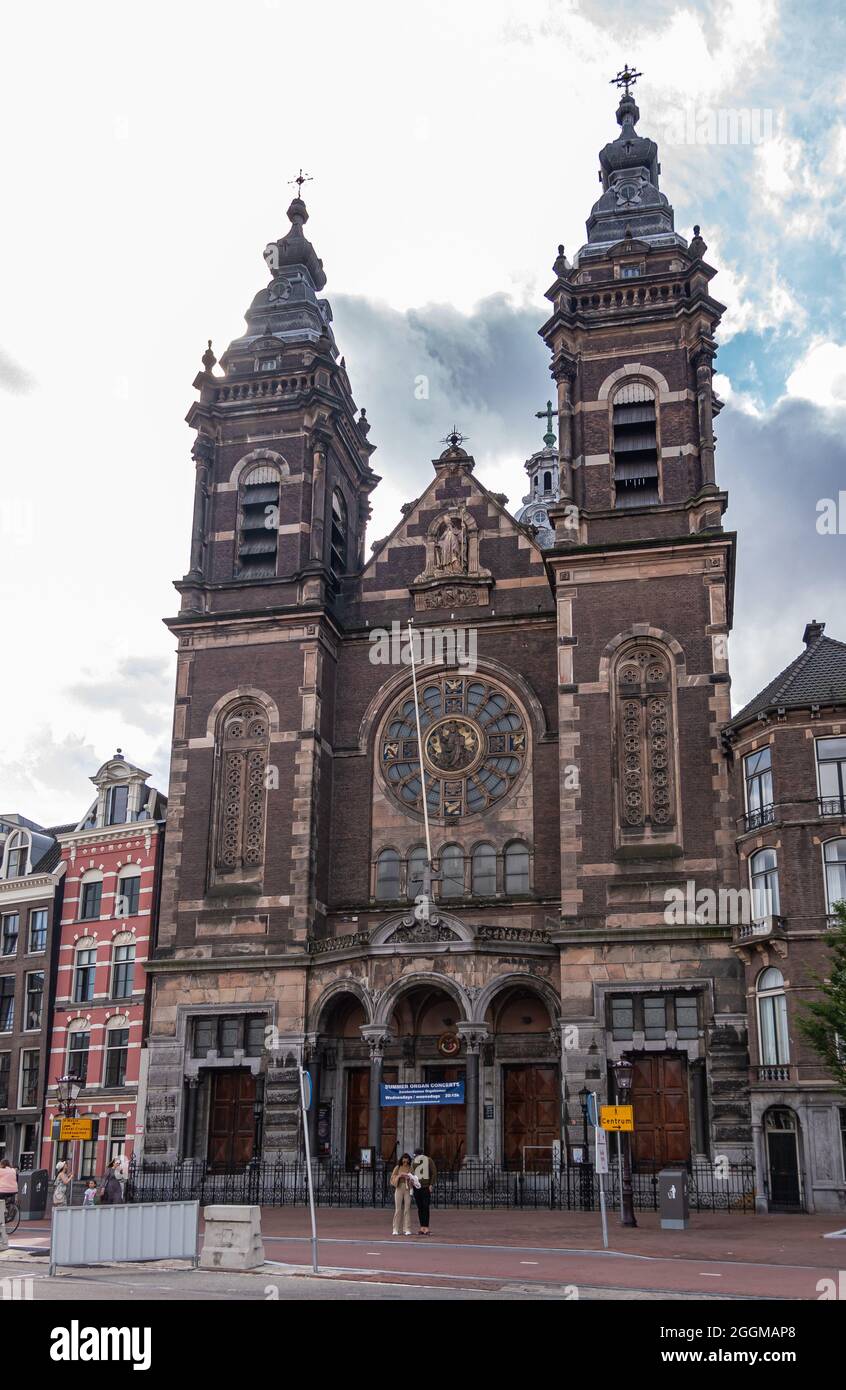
(402, 1182)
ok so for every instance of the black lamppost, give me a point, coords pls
(623, 1083)
(67, 1090)
(587, 1172)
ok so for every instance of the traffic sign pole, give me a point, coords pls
(305, 1101)
(597, 1131)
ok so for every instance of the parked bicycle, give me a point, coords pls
(13, 1215)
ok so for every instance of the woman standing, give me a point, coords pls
(402, 1182)
(64, 1178)
(111, 1190)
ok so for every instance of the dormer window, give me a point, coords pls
(117, 805)
(635, 443)
(17, 854)
(630, 272)
(258, 528)
(338, 543)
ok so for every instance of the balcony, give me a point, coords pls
(832, 806)
(778, 1074)
(764, 927)
(756, 820)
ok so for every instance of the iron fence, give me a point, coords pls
(477, 1183)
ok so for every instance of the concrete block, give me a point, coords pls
(232, 1238)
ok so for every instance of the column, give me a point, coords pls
(702, 364)
(700, 1113)
(190, 1137)
(564, 372)
(474, 1035)
(318, 499)
(376, 1036)
(202, 454)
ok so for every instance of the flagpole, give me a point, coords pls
(420, 746)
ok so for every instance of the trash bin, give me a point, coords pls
(32, 1194)
(673, 1202)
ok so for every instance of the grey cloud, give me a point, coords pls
(14, 377)
(50, 782)
(140, 693)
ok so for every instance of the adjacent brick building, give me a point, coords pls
(574, 771)
(112, 863)
(788, 749)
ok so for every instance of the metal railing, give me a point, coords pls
(477, 1183)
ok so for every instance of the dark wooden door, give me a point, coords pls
(531, 1115)
(232, 1120)
(661, 1110)
(783, 1159)
(445, 1126)
(358, 1110)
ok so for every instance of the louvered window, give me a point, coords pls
(338, 557)
(635, 446)
(258, 529)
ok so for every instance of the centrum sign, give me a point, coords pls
(423, 1093)
(76, 1129)
(617, 1117)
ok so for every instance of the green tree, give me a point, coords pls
(823, 1023)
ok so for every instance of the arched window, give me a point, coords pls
(16, 859)
(773, 1042)
(90, 896)
(516, 869)
(241, 753)
(416, 865)
(338, 535)
(483, 871)
(84, 970)
(452, 872)
(635, 445)
(643, 693)
(547, 482)
(117, 1051)
(388, 875)
(128, 895)
(123, 966)
(258, 522)
(835, 873)
(79, 1041)
(763, 881)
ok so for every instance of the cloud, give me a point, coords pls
(13, 377)
(50, 781)
(821, 375)
(139, 693)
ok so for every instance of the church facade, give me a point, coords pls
(492, 902)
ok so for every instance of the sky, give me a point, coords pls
(147, 155)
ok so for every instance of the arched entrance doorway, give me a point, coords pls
(530, 1107)
(781, 1133)
(345, 1072)
(424, 1028)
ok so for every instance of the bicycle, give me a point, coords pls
(13, 1215)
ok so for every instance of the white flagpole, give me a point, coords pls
(420, 746)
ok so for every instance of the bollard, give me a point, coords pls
(232, 1238)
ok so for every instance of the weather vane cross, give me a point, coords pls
(454, 438)
(300, 180)
(627, 77)
(549, 437)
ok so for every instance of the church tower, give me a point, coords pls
(643, 574)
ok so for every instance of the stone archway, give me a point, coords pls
(522, 1075)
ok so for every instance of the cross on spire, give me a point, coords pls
(455, 438)
(549, 437)
(626, 77)
(300, 180)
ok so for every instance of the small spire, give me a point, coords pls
(561, 265)
(363, 422)
(209, 359)
(549, 437)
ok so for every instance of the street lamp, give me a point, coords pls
(623, 1071)
(67, 1090)
(586, 1174)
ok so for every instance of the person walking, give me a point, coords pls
(424, 1170)
(111, 1191)
(402, 1182)
(61, 1186)
(89, 1195)
(8, 1183)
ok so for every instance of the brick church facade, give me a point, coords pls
(574, 771)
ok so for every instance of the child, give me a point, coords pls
(89, 1194)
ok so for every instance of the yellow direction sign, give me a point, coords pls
(76, 1129)
(616, 1117)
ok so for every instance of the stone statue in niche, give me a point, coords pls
(451, 547)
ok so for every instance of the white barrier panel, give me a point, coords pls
(135, 1231)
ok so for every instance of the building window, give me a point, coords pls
(338, 540)
(123, 971)
(773, 1044)
(34, 999)
(763, 880)
(452, 872)
(37, 930)
(7, 1003)
(645, 742)
(388, 875)
(687, 1016)
(88, 1159)
(243, 741)
(29, 1079)
(622, 1019)
(128, 896)
(758, 783)
(483, 871)
(654, 1017)
(9, 933)
(117, 1051)
(78, 1045)
(92, 894)
(117, 805)
(17, 854)
(630, 272)
(416, 865)
(5, 1066)
(834, 853)
(258, 531)
(230, 1033)
(831, 773)
(516, 869)
(635, 444)
(83, 975)
(117, 1136)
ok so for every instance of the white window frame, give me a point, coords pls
(778, 1033)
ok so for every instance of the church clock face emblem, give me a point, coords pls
(474, 741)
